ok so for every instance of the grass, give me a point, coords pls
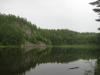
(76, 46)
(61, 46)
(9, 46)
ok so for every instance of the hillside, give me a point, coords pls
(18, 31)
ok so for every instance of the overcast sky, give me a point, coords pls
(75, 15)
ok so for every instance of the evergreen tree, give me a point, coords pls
(97, 9)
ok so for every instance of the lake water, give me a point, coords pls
(50, 61)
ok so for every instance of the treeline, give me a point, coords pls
(17, 31)
(64, 37)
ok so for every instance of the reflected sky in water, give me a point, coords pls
(83, 67)
(50, 61)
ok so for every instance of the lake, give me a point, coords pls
(49, 61)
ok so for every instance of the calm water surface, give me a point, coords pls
(50, 61)
(83, 67)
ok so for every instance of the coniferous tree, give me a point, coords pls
(97, 9)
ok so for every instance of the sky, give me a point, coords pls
(76, 15)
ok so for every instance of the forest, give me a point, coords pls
(15, 30)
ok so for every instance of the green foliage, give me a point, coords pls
(64, 36)
(9, 32)
(16, 31)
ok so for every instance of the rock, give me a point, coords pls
(74, 68)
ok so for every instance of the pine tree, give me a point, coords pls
(97, 9)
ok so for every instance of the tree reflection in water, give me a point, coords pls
(16, 61)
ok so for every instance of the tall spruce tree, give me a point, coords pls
(97, 9)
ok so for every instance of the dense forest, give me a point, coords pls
(17, 31)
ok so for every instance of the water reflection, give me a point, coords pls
(50, 61)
